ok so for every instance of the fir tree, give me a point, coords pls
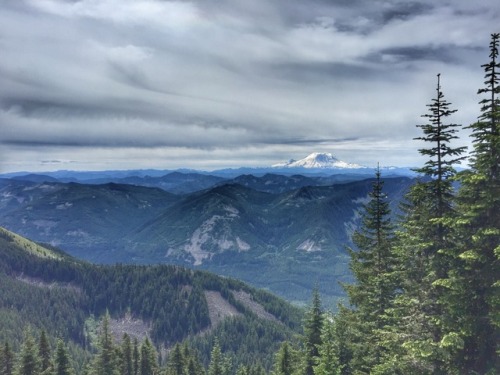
(106, 361)
(284, 363)
(423, 244)
(44, 352)
(6, 360)
(242, 370)
(194, 367)
(372, 265)
(327, 363)
(176, 364)
(135, 357)
(127, 366)
(474, 288)
(343, 325)
(216, 366)
(313, 326)
(148, 363)
(29, 361)
(441, 155)
(62, 365)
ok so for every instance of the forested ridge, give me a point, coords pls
(426, 298)
(47, 290)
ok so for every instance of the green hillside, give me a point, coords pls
(46, 289)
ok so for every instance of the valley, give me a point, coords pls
(284, 233)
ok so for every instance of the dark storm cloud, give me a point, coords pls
(410, 54)
(247, 80)
(315, 142)
(322, 70)
(404, 10)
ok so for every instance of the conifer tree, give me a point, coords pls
(441, 155)
(343, 327)
(176, 361)
(106, 361)
(313, 326)
(327, 363)
(242, 370)
(372, 264)
(148, 363)
(423, 245)
(6, 360)
(216, 366)
(192, 363)
(29, 361)
(136, 357)
(474, 288)
(44, 352)
(284, 363)
(194, 367)
(62, 365)
(127, 366)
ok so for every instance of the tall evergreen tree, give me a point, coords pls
(194, 367)
(106, 362)
(29, 361)
(426, 240)
(442, 157)
(149, 359)
(62, 364)
(328, 363)
(136, 357)
(313, 326)
(216, 366)
(372, 264)
(475, 287)
(127, 366)
(6, 360)
(176, 361)
(343, 326)
(44, 352)
(284, 363)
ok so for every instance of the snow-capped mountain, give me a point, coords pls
(320, 161)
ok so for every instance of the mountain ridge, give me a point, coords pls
(262, 237)
(315, 164)
(64, 296)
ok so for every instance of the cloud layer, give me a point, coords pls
(101, 84)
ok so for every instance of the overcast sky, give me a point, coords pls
(207, 84)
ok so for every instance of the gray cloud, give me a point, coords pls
(170, 83)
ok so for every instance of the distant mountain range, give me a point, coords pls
(280, 232)
(316, 165)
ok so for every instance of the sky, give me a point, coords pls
(210, 84)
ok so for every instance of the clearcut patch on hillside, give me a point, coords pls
(255, 307)
(219, 308)
(135, 328)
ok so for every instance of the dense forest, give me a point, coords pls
(44, 289)
(426, 298)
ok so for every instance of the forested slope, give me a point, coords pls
(48, 290)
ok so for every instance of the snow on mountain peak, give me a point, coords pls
(317, 160)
